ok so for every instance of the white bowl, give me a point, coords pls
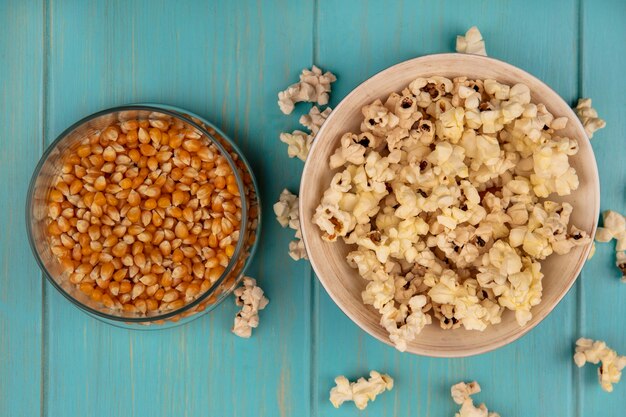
(345, 285)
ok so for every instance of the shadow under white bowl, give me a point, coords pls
(344, 284)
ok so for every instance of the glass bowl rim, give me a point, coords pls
(185, 116)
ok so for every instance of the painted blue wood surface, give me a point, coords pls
(21, 121)
(61, 60)
(602, 294)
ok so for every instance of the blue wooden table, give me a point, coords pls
(226, 60)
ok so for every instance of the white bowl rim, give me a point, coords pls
(523, 330)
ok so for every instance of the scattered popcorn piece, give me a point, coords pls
(611, 365)
(588, 116)
(298, 144)
(620, 262)
(297, 250)
(444, 193)
(614, 228)
(315, 119)
(471, 43)
(361, 391)
(403, 324)
(251, 300)
(621, 241)
(614, 222)
(461, 394)
(314, 86)
(286, 211)
(341, 392)
(603, 235)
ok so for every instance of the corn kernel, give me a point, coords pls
(131, 215)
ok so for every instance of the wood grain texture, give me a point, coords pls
(603, 58)
(21, 72)
(226, 60)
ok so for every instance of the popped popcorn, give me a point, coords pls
(461, 394)
(588, 116)
(286, 211)
(314, 86)
(614, 223)
(404, 323)
(444, 195)
(592, 251)
(251, 300)
(361, 391)
(315, 119)
(298, 144)
(297, 250)
(611, 364)
(471, 43)
(614, 228)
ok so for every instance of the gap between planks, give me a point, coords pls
(314, 295)
(46, 46)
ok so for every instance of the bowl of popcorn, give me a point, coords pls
(447, 204)
(143, 214)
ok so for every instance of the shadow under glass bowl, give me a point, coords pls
(48, 169)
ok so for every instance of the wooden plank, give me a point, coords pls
(226, 61)
(603, 55)
(21, 75)
(532, 376)
(20, 301)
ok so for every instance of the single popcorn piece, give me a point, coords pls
(461, 394)
(251, 300)
(614, 228)
(298, 144)
(592, 251)
(471, 43)
(589, 117)
(611, 364)
(406, 323)
(621, 241)
(287, 214)
(286, 209)
(620, 262)
(603, 235)
(445, 196)
(360, 392)
(314, 86)
(614, 223)
(315, 119)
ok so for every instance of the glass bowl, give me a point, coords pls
(50, 167)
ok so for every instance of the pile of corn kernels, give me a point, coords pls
(145, 216)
